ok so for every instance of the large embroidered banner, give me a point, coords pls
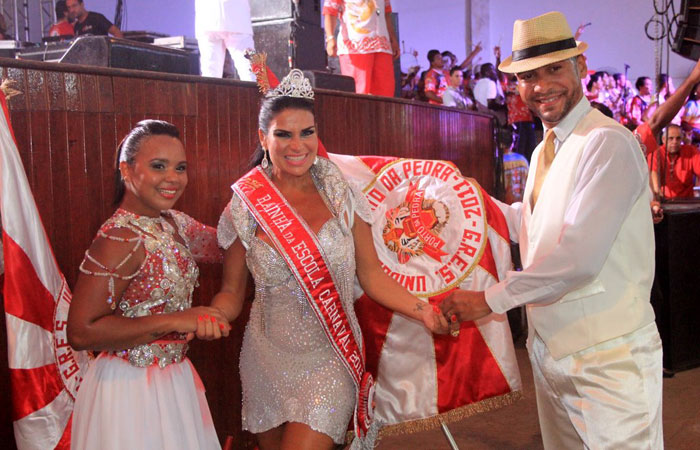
(434, 231)
(44, 371)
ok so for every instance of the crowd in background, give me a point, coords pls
(485, 89)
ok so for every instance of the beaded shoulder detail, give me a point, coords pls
(235, 221)
(111, 273)
(156, 235)
(141, 226)
(330, 182)
(362, 206)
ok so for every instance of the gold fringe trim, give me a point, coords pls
(430, 423)
(454, 415)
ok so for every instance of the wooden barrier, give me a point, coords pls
(70, 119)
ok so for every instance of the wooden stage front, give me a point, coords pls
(69, 120)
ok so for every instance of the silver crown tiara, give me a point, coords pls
(293, 85)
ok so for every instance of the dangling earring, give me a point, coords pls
(316, 160)
(265, 162)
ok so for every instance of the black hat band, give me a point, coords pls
(543, 49)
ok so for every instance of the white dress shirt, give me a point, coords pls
(608, 182)
(486, 89)
(452, 97)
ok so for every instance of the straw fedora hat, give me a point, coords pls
(540, 41)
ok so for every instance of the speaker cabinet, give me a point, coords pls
(308, 11)
(687, 42)
(676, 295)
(324, 80)
(106, 51)
(273, 36)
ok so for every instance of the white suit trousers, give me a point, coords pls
(212, 51)
(604, 397)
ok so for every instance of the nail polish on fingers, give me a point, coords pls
(436, 309)
(453, 317)
(200, 318)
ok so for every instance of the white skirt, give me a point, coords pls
(120, 406)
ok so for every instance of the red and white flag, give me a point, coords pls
(434, 231)
(44, 371)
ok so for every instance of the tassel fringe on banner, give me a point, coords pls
(433, 422)
(430, 423)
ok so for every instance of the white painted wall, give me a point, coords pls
(480, 29)
(426, 25)
(174, 17)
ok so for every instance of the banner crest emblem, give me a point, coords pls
(434, 228)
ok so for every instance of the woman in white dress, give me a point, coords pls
(132, 302)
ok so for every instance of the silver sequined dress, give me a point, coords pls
(289, 371)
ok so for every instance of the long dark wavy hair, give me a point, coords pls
(269, 109)
(131, 144)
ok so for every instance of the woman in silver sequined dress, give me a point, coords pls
(296, 392)
(133, 302)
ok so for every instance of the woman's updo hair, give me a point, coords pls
(131, 144)
(269, 108)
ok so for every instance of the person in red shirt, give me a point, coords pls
(436, 80)
(520, 117)
(640, 102)
(366, 43)
(646, 133)
(674, 166)
(63, 27)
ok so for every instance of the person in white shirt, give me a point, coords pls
(221, 25)
(452, 95)
(587, 246)
(487, 87)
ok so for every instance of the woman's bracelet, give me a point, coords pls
(330, 37)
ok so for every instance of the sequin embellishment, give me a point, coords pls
(163, 284)
(289, 370)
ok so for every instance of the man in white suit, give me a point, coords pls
(587, 244)
(221, 25)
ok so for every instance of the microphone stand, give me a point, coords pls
(292, 49)
(118, 14)
(625, 92)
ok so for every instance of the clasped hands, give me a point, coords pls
(211, 323)
(460, 306)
